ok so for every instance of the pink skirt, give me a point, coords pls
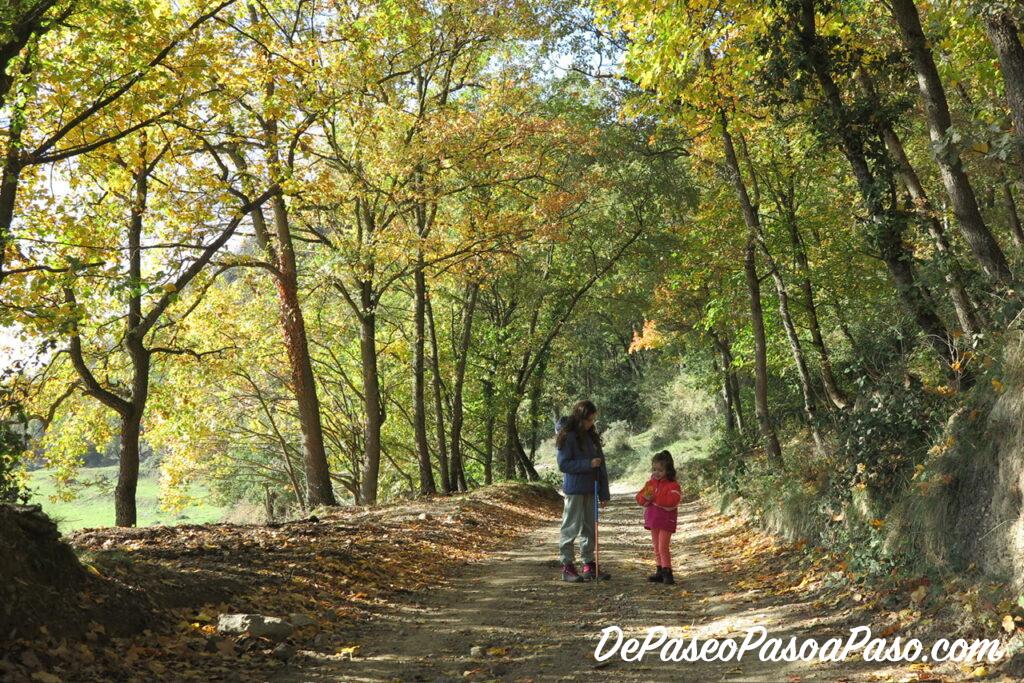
(656, 518)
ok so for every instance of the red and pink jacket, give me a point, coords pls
(666, 493)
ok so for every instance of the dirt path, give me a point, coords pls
(533, 627)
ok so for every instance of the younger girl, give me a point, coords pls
(660, 498)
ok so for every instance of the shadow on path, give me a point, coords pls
(531, 626)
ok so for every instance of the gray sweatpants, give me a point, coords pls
(577, 520)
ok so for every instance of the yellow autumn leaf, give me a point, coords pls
(349, 650)
(1008, 624)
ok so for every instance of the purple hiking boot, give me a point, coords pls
(569, 574)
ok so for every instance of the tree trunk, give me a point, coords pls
(458, 468)
(427, 484)
(442, 437)
(318, 479)
(128, 469)
(1003, 33)
(810, 408)
(11, 172)
(536, 393)
(836, 395)
(131, 416)
(965, 307)
(886, 226)
(737, 398)
(750, 218)
(958, 187)
(1011, 214)
(371, 396)
(489, 420)
(727, 398)
(963, 304)
(515, 454)
(730, 416)
(764, 422)
(9, 182)
(510, 461)
(732, 380)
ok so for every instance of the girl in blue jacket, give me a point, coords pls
(581, 459)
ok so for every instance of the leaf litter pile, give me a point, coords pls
(760, 568)
(317, 574)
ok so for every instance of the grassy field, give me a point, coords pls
(94, 506)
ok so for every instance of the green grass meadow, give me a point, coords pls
(94, 504)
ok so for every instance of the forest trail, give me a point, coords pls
(531, 626)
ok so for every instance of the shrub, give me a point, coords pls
(617, 437)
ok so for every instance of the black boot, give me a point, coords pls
(657, 576)
(666, 575)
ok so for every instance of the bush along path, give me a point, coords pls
(512, 619)
(468, 589)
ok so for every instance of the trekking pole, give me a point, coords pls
(598, 576)
(597, 546)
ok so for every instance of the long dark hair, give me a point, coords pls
(665, 458)
(580, 412)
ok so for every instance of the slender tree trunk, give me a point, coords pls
(1011, 214)
(131, 418)
(371, 396)
(958, 187)
(1003, 32)
(442, 437)
(764, 421)
(963, 304)
(515, 454)
(732, 380)
(510, 460)
(965, 307)
(489, 420)
(836, 395)
(535, 398)
(13, 162)
(457, 465)
(318, 479)
(737, 398)
(9, 182)
(886, 226)
(810, 407)
(727, 399)
(427, 484)
(730, 415)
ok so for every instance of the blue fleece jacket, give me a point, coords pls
(574, 461)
